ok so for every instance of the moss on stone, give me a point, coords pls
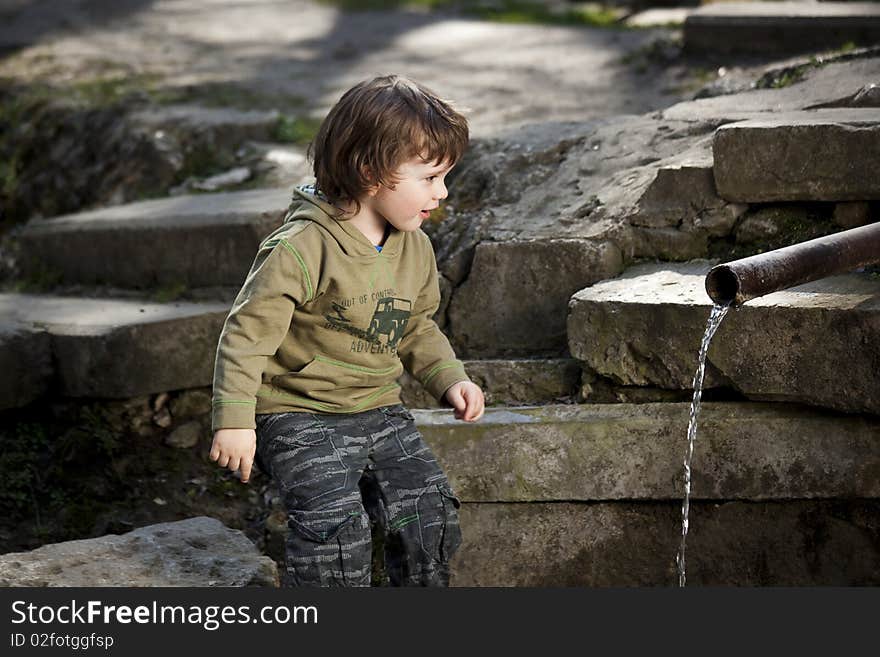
(170, 292)
(792, 223)
(296, 129)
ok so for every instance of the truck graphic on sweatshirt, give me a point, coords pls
(389, 319)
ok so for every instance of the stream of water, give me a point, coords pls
(715, 317)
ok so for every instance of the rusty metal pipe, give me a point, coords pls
(738, 281)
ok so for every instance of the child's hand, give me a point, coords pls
(235, 449)
(467, 399)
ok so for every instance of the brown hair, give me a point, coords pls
(376, 126)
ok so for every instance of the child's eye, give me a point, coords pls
(431, 178)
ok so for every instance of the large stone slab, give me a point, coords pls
(797, 543)
(817, 343)
(194, 552)
(774, 27)
(26, 363)
(827, 81)
(198, 241)
(642, 183)
(517, 292)
(117, 349)
(818, 155)
(596, 452)
(225, 127)
(509, 382)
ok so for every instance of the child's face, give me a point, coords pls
(420, 187)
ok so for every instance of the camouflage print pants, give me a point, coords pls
(336, 472)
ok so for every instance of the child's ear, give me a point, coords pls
(368, 175)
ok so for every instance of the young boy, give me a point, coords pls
(338, 302)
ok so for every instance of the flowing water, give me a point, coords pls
(717, 314)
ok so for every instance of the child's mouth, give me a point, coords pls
(424, 214)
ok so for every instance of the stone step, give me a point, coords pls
(221, 127)
(198, 241)
(105, 347)
(119, 348)
(788, 543)
(816, 155)
(513, 301)
(509, 382)
(817, 343)
(778, 27)
(604, 452)
(26, 363)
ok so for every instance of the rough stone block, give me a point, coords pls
(26, 363)
(773, 27)
(817, 155)
(117, 349)
(817, 343)
(838, 82)
(797, 543)
(197, 241)
(597, 452)
(226, 127)
(194, 552)
(513, 302)
(514, 382)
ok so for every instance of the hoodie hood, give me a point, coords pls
(308, 203)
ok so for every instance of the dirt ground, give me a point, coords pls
(504, 74)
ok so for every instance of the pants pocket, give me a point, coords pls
(450, 539)
(423, 541)
(329, 547)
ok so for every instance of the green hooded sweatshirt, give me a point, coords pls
(325, 323)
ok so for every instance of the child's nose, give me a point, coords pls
(440, 191)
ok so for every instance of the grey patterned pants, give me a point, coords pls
(336, 472)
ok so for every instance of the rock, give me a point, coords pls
(219, 128)
(194, 552)
(70, 157)
(596, 452)
(852, 215)
(185, 436)
(832, 82)
(162, 418)
(191, 403)
(778, 27)
(160, 401)
(202, 240)
(508, 382)
(658, 17)
(97, 344)
(514, 299)
(867, 96)
(26, 363)
(758, 228)
(818, 155)
(682, 190)
(645, 327)
(772, 226)
(229, 178)
(624, 544)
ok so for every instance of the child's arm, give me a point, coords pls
(254, 329)
(428, 356)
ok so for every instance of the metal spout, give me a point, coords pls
(738, 281)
